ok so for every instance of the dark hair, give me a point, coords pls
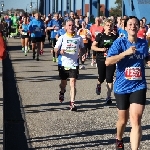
(141, 20)
(131, 17)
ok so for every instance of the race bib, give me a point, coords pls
(68, 68)
(68, 64)
(24, 33)
(133, 73)
(83, 37)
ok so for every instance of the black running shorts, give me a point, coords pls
(24, 36)
(123, 101)
(105, 72)
(43, 38)
(36, 39)
(65, 74)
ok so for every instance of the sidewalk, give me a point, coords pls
(48, 124)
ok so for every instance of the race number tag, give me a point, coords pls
(133, 73)
(68, 68)
(24, 33)
(68, 64)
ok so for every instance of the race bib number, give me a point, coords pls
(133, 73)
(24, 33)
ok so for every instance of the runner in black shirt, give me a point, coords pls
(101, 45)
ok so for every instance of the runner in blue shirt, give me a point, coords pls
(121, 31)
(35, 27)
(54, 25)
(130, 86)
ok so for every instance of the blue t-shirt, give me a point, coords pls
(36, 27)
(122, 33)
(61, 32)
(130, 71)
(25, 27)
(58, 25)
(88, 26)
(9, 22)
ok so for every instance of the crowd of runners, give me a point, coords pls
(112, 45)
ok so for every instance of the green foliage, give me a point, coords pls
(116, 11)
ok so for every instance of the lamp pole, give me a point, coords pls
(31, 6)
(2, 5)
(37, 5)
(98, 8)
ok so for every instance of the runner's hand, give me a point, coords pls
(148, 63)
(62, 52)
(105, 49)
(130, 51)
(51, 51)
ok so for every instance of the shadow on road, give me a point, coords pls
(14, 123)
(84, 135)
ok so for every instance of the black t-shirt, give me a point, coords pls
(78, 27)
(104, 41)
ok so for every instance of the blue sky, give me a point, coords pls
(22, 4)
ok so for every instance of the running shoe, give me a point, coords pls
(73, 107)
(41, 52)
(23, 49)
(28, 48)
(108, 100)
(37, 59)
(25, 53)
(82, 67)
(93, 62)
(61, 97)
(54, 59)
(119, 145)
(98, 89)
(34, 55)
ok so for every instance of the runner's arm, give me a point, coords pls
(81, 46)
(58, 44)
(114, 59)
(50, 26)
(115, 53)
(95, 48)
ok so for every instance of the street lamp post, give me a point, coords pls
(98, 8)
(37, 5)
(2, 5)
(31, 6)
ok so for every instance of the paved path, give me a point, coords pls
(49, 125)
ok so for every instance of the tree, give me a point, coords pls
(116, 11)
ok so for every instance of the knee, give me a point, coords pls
(135, 120)
(123, 121)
